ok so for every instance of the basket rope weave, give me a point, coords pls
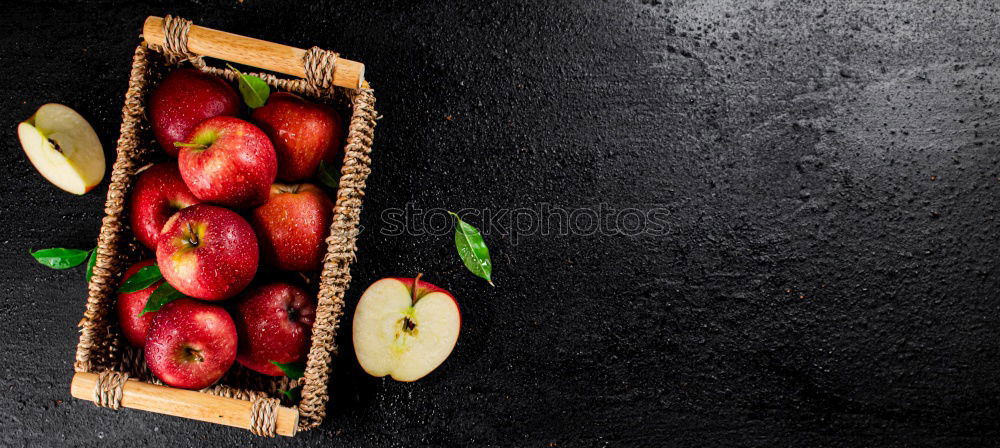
(109, 390)
(100, 348)
(176, 31)
(264, 416)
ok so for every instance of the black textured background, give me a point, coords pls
(829, 168)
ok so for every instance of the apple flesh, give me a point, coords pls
(395, 335)
(185, 98)
(63, 147)
(292, 226)
(273, 323)
(230, 162)
(158, 193)
(207, 252)
(304, 133)
(131, 304)
(190, 344)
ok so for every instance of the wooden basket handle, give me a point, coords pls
(253, 52)
(185, 403)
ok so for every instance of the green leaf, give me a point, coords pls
(294, 394)
(472, 249)
(91, 261)
(328, 175)
(254, 90)
(162, 295)
(142, 279)
(293, 370)
(59, 258)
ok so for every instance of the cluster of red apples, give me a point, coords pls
(215, 213)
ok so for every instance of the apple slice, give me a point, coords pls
(63, 147)
(403, 333)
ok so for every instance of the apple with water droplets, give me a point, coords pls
(129, 305)
(158, 193)
(228, 161)
(185, 98)
(274, 323)
(292, 226)
(190, 344)
(207, 252)
(304, 134)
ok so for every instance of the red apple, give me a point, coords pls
(403, 333)
(158, 193)
(207, 252)
(130, 305)
(190, 344)
(228, 161)
(185, 98)
(292, 226)
(304, 133)
(274, 323)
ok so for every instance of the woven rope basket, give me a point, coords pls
(102, 351)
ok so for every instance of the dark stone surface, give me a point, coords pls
(829, 169)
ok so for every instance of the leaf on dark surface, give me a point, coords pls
(59, 258)
(472, 249)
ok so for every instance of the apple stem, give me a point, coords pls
(193, 354)
(192, 236)
(416, 282)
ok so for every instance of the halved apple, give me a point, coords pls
(63, 147)
(403, 333)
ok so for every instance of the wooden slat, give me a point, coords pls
(253, 52)
(185, 403)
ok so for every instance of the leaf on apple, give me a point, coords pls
(328, 175)
(472, 249)
(59, 258)
(254, 90)
(91, 261)
(293, 370)
(162, 295)
(142, 279)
